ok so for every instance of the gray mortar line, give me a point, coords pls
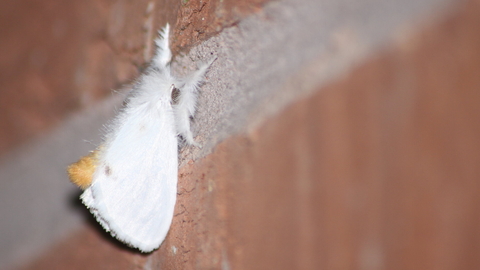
(266, 62)
(285, 52)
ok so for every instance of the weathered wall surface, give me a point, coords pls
(336, 136)
(61, 56)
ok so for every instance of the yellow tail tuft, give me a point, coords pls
(81, 172)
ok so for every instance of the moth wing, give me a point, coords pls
(133, 192)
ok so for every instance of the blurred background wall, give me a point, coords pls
(336, 134)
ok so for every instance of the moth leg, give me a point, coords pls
(187, 101)
(163, 55)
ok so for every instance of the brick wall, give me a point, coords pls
(354, 144)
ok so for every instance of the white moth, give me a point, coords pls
(130, 181)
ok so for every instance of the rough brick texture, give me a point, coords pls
(378, 170)
(57, 57)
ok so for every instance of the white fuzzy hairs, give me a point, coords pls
(130, 181)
